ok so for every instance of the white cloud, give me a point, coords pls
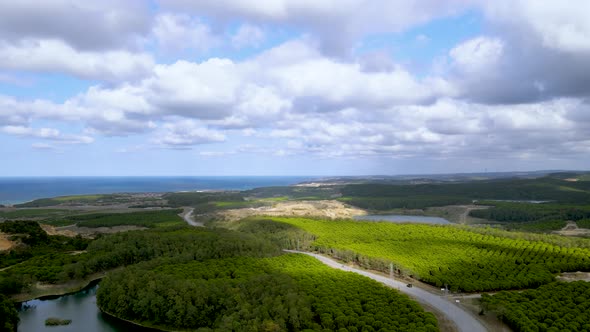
(46, 133)
(478, 55)
(290, 79)
(350, 19)
(57, 57)
(179, 31)
(560, 25)
(185, 133)
(248, 35)
(43, 146)
(85, 25)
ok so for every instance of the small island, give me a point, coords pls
(52, 321)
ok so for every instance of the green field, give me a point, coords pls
(465, 259)
(554, 307)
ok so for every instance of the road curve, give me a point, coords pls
(462, 319)
(188, 217)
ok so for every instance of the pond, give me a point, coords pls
(397, 218)
(80, 307)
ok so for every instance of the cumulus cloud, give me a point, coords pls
(562, 26)
(352, 19)
(85, 25)
(179, 31)
(518, 90)
(185, 133)
(292, 78)
(57, 57)
(533, 51)
(477, 55)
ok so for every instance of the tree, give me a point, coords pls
(8, 315)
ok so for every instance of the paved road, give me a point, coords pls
(188, 217)
(462, 319)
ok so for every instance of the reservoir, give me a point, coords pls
(397, 218)
(80, 307)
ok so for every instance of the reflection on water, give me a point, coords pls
(80, 307)
(396, 218)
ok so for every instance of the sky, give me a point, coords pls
(293, 87)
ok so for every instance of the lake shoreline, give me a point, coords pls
(59, 290)
(144, 328)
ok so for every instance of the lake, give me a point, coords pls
(397, 218)
(80, 307)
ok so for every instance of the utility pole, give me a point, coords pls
(391, 270)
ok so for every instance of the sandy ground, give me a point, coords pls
(324, 209)
(5, 243)
(571, 229)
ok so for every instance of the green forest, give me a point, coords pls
(148, 219)
(290, 292)
(188, 278)
(523, 212)
(553, 307)
(123, 249)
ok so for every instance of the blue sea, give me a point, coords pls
(15, 190)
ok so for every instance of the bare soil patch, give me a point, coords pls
(325, 209)
(51, 230)
(91, 232)
(5, 243)
(572, 229)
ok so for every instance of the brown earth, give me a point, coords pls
(572, 229)
(5, 243)
(51, 230)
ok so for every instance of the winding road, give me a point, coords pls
(464, 321)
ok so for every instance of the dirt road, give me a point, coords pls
(468, 208)
(187, 215)
(464, 321)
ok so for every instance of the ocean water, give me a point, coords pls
(22, 189)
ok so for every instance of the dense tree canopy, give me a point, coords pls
(553, 307)
(8, 315)
(465, 259)
(284, 293)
